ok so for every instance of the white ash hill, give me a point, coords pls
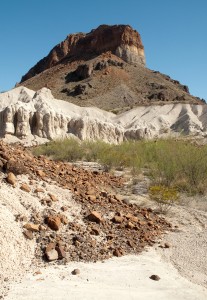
(26, 115)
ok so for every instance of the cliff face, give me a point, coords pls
(36, 117)
(120, 40)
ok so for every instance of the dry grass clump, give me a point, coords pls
(169, 162)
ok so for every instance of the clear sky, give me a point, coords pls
(174, 33)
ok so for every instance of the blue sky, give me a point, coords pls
(174, 33)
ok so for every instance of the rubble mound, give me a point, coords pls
(98, 225)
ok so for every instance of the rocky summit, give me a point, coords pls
(121, 40)
(105, 68)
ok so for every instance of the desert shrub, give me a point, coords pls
(165, 197)
(93, 150)
(192, 162)
(163, 162)
(168, 162)
(62, 149)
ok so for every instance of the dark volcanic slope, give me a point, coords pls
(106, 69)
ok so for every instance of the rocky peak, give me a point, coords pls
(121, 40)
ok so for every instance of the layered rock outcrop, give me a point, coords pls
(29, 115)
(120, 40)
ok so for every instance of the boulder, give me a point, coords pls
(155, 277)
(53, 197)
(50, 247)
(117, 253)
(52, 255)
(80, 89)
(32, 227)
(61, 252)
(28, 234)
(84, 71)
(11, 178)
(25, 187)
(53, 222)
(75, 272)
(118, 219)
(39, 190)
(95, 217)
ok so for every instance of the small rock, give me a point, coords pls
(42, 228)
(117, 219)
(39, 190)
(37, 273)
(95, 231)
(78, 238)
(25, 187)
(131, 244)
(21, 218)
(63, 219)
(104, 194)
(117, 253)
(155, 277)
(1, 164)
(28, 234)
(112, 201)
(38, 240)
(41, 173)
(166, 245)
(11, 178)
(118, 197)
(126, 201)
(95, 217)
(130, 225)
(64, 208)
(90, 192)
(61, 252)
(53, 222)
(93, 243)
(75, 272)
(32, 227)
(52, 235)
(50, 247)
(131, 217)
(53, 197)
(52, 255)
(92, 198)
(150, 223)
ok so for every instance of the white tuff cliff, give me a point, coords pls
(25, 114)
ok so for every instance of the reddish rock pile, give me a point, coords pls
(107, 226)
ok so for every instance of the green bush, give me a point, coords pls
(171, 163)
(65, 149)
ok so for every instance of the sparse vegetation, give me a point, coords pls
(171, 163)
(165, 197)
